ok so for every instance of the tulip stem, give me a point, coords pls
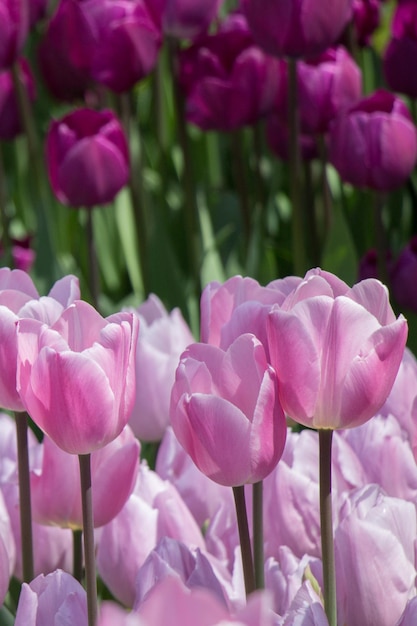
(88, 530)
(24, 496)
(326, 525)
(245, 544)
(77, 553)
(380, 238)
(240, 177)
(258, 534)
(299, 257)
(93, 272)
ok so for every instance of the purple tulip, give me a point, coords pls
(229, 82)
(66, 51)
(366, 19)
(14, 25)
(278, 138)
(185, 19)
(87, 157)
(225, 411)
(128, 41)
(10, 122)
(299, 28)
(374, 143)
(400, 73)
(404, 276)
(37, 11)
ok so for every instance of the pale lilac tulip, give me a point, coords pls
(336, 354)
(409, 617)
(19, 299)
(162, 338)
(375, 558)
(56, 495)
(172, 558)
(154, 510)
(306, 609)
(56, 599)
(77, 377)
(202, 496)
(225, 411)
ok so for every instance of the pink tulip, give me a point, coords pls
(53, 599)
(19, 299)
(306, 609)
(111, 614)
(56, 496)
(336, 356)
(162, 339)
(76, 378)
(409, 617)
(225, 411)
(375, 558)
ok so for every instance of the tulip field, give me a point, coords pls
(208, 312)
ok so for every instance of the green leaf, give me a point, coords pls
(339, 254)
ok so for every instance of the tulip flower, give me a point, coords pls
(374, 143)
(229, 82)
(127, 41)
(225, 411)
(14, 25)
(56, 598)
(299, 28)
(76, 378)
(87, 157)
(20, 299)
(56, 496)
(336, 354)
(401, 75)
(366, 19)
(162, 339)
(10, 122)
(278, 138)
(403, 276)
(185, 19)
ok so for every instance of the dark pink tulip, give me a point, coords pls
(327, 84)
(76, 378)
(336, 351)
(10, 123)
(368, 264)
(404, 276)
(375, 531)
(56, 495)
(37, 11)
(66, 51)
(278, 138)
(87, 157)
(20, 299)
(185, 19)
(162, 338)
(53, 599)
(229, 82)
(225, 411)
(14, 25)
(400, 74)
(366, 19)
(374, 144)
(128, 42)
(299, 28)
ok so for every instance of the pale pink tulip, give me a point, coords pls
(53, 599)
(375, 558)
(409, 617)
(56, 495)
(19, 299)
(225, 411)
(336, 354)
(162, 339)
(306, 609)
(112, 614)
(77, 377)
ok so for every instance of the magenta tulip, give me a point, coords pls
(403, 277)
(299, 28)
(127, 41)
(225, 411)
(229, 82)
(374, 143)
(87, 157)
(76, 378)
(20, 299)
(162, 339)
(400, 74)
(366, 19)
(14, 25)
(278, 138)
(10, 122)
(336, 354)
(185, 19)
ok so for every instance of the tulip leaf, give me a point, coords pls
(339, 254)
(126, 228)
(212, 266)
(6, 618)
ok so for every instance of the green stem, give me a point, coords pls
(88, 531)
(5, 237)
(258, 535)
(245, 544)
(380, 237)
(240, 177)
(299, 256)
(93, 270)
(77, 553)
(24, 495)
(326, 525)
